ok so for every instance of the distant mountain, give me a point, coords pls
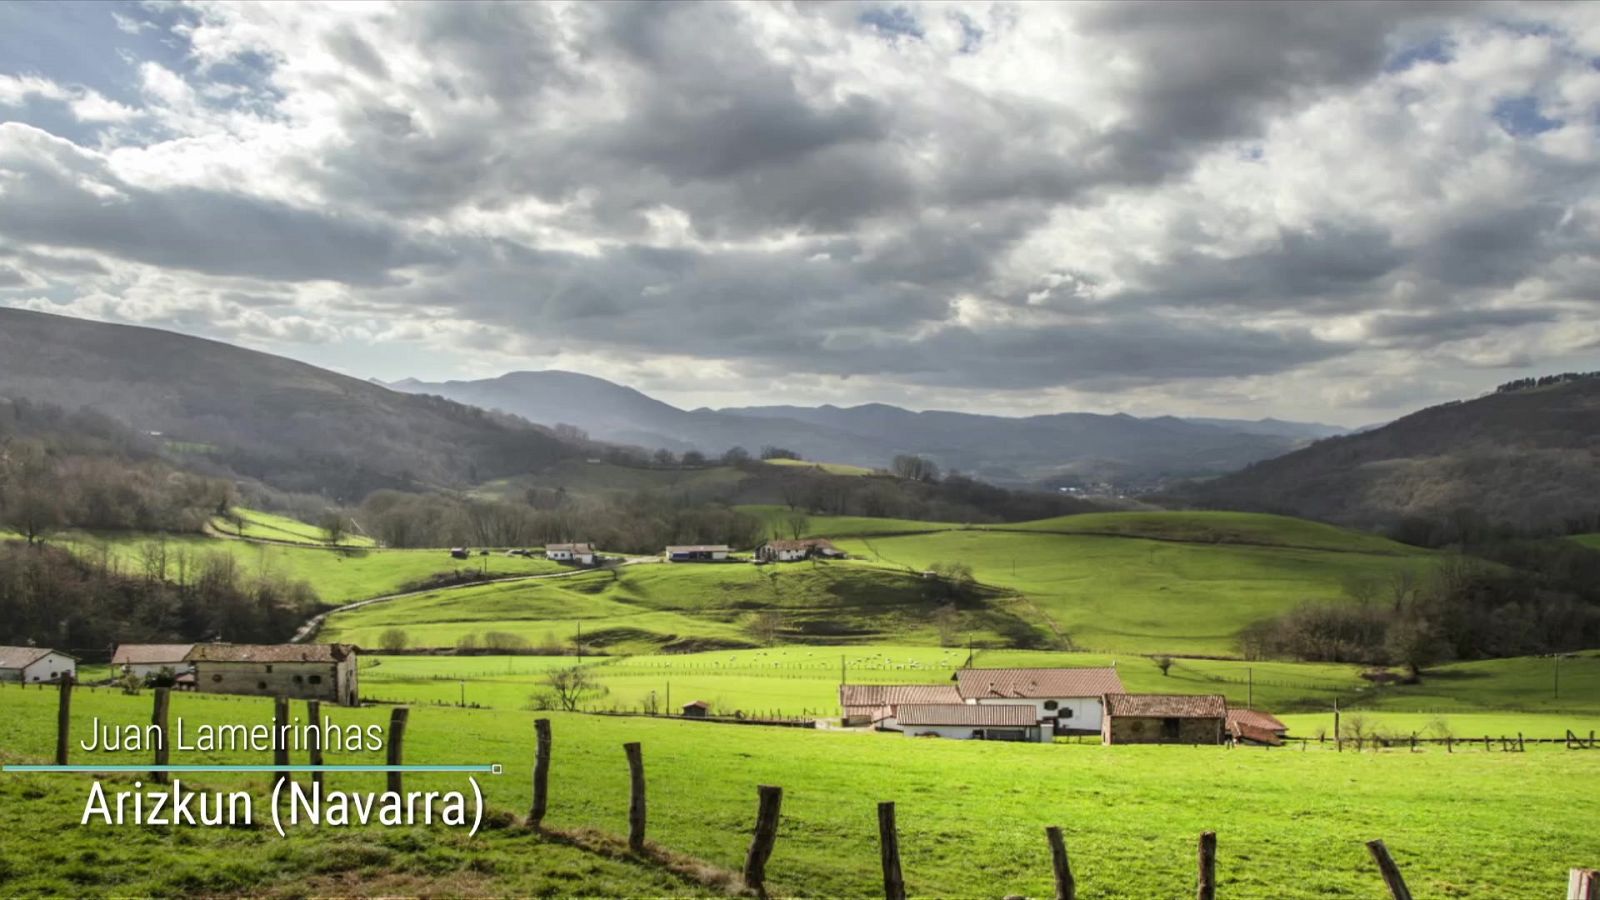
(1050, 450)
(1526, 457)
(237, 411)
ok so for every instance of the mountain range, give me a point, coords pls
(1048, 450)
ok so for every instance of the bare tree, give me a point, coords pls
(569, 687)
(394, 640)
(334, 527)
(1163, 662)
(798, 523)
(947, 619)
(765, 625)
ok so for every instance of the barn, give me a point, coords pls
(966, 721)
(696, 709)
(698, 553)
(1164, 719)
(301, 671)
(144, 660)
(582, 554)
(31, 665)
(1254, 726)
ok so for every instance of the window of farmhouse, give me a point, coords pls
(261, 685)
(217, 677)
(316, 679)
(1051, 704)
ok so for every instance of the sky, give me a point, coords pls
(1335, 212)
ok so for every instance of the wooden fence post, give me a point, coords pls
(1066, 888)
(541, 772)
(158, 718)
(1583, 884)
(314, 753)
(280, 744)
(755, 862)
(1208, 866)
(397, 745)
(63, 719)
(894, 884)
(1391, 872)
(636, 806)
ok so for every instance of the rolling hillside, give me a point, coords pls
(1527, 457)
(294, 426)
(1132, 583)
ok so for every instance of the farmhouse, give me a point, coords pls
(868, 703)
(967, 721)
(582, 554)
(791, 551)
(697, 709)
(698, 553)
(1163, 719)
(1253, 726)
(35, 664)
(304, 671)
(144, 660)
(1064, 701)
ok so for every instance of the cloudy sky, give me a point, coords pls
(1321, 212)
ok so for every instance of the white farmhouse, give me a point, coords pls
(582, 554)
(36, 664)
(1063, 701)
(144, 660)
(698, 553)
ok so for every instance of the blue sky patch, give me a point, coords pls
(1520, 117)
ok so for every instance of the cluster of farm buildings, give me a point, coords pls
(299, 671)
(1041, 704)
(584, 554)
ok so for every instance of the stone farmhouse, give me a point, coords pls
(36, 665)
(1164, 719)
(299, 671)
(794, 551)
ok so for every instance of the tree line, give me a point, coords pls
(85, 606)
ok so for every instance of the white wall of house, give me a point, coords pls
(49, 667)
(963, 732)
(1085, 710)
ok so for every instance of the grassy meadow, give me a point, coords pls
(266, 526)
(1291, 823)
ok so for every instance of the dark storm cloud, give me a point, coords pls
(1425, 329)
(60, 195)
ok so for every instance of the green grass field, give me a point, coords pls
(830, 468)
(270, 527)
(1588, 540)
(1137, 594)
(338, 575)
(1290, 823)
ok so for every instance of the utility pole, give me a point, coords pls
(842, 678)
(463, 695)
(1250, 695)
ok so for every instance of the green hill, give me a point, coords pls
(265, 526)
(683, 606)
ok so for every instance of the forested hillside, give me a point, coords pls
(1525, 458)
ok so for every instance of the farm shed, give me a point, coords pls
(1256, 727)
(697, 709)
(698, 553)
(791, 551)
(865, 703)
(300, 671)
(144, 660)
(582, 554)
(1064, 701)
(35, 664)
(1164, 719)
(966, 721)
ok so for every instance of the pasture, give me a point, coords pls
(1291, 823)
(266, 526)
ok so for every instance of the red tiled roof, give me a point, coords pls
(1254, 734)
(867, 697)
(1168, 706)
(999, 715)
(982, 684)
(1255, 718)
(329, 653)
(698, 703)
(146, 654)
(808, 543)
